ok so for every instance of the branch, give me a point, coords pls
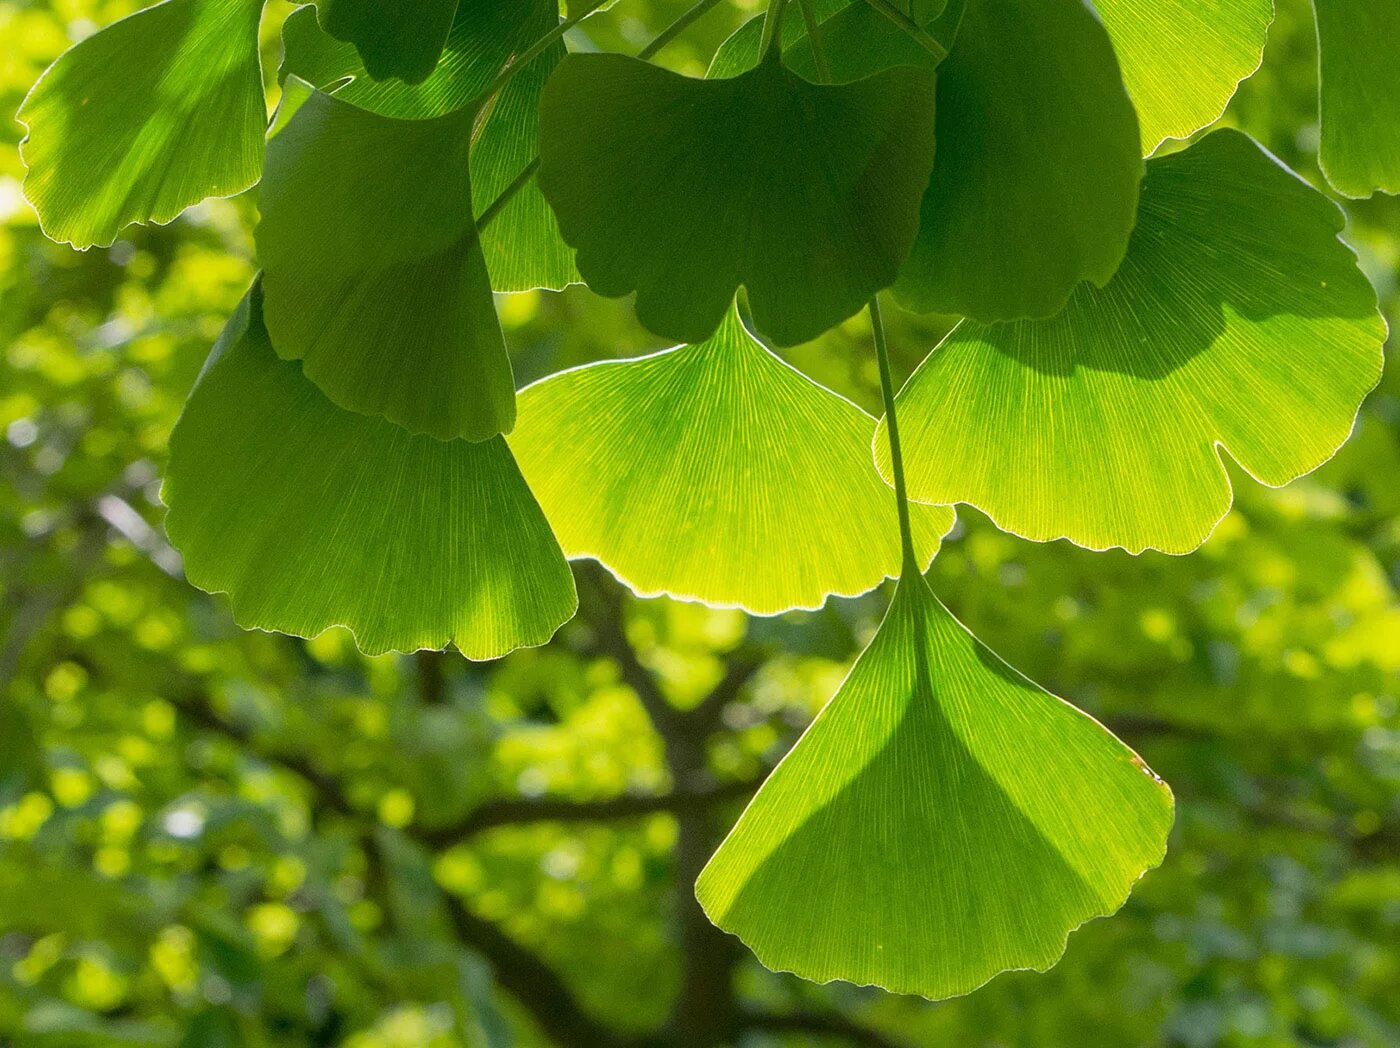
(738, 671)
(820, 1024)
(610, 638)
(514, 811)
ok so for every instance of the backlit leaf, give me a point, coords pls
(715, 472)
(1035, 185)
(682, 189)
(310, 516)
(1360, 94)
(1183, 59)
(942, 820)
(374, 276)
(1238, 320)
(522, 244)
(401, 39)
(139, 121)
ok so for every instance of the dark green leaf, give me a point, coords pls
(682, 190)
(1360, 94)
(402, 38)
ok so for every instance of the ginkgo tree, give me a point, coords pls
(356, 452)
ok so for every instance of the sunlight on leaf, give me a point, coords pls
(1360, 95)
(522, 245)
(1183, 59)
(401, 39)
(1238, 319)
(115, 140)
(309, 516)
(1035, 184)
(942, 820)
(715, 472)
(373, 273)
(683, 189)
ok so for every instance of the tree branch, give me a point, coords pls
(820, 1024)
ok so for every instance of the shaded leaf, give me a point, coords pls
(942, 820)
(522, 244)
(373, 273)
(1238, 319)
(309, 516)
(715, 472)
(1035, 185)
(1183, 59)
(1360, 95)
(139, 121)
(403, 39)
(682, 189)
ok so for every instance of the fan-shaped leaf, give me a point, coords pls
(683, 189)
(309, 516)
(715, 472)
(1035, 185)
(522, 244)
(1237, 319)
(1183, 59)
(373, 273)
(942, 820)
(1360, 94)
(401, 39)
(143, 119)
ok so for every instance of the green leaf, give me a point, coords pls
(402, 39)
(1360, 95)
(1238, 320)
(715, 472)
(1035, 185)
(1183, 59)
(139, 121)
(942, 820)
(856, 39)
(522, 244)
(310, 516)
(374, 276)
(682, 189)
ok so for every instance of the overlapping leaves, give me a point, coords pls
(1238, 319)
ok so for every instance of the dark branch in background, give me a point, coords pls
(820, 1024)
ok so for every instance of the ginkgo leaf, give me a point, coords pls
(1238, 320)
(154, 113)
(402, 39)
(310, 516)
(373, 273)
(942, 820)
(683, 189)
(1035, 185)
(715, 472)
(1360, 95)
(522, 244)
(1183, 59)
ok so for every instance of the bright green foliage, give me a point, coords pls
(637, 463)
(682, 189)
(149, 116)
(309, 516)
(1360, 94)
(1183, 59)
(1035, 185)
(942, 820)
(1237, 319)
(522, 245)
(373, 273)
(402, 39)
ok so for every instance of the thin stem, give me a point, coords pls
(676, 28)
(772, 27)
(507, 195)
(910, 27)
(809, 17)
(535, 50)
(901, 494)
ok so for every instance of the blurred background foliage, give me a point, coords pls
(211, 837)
